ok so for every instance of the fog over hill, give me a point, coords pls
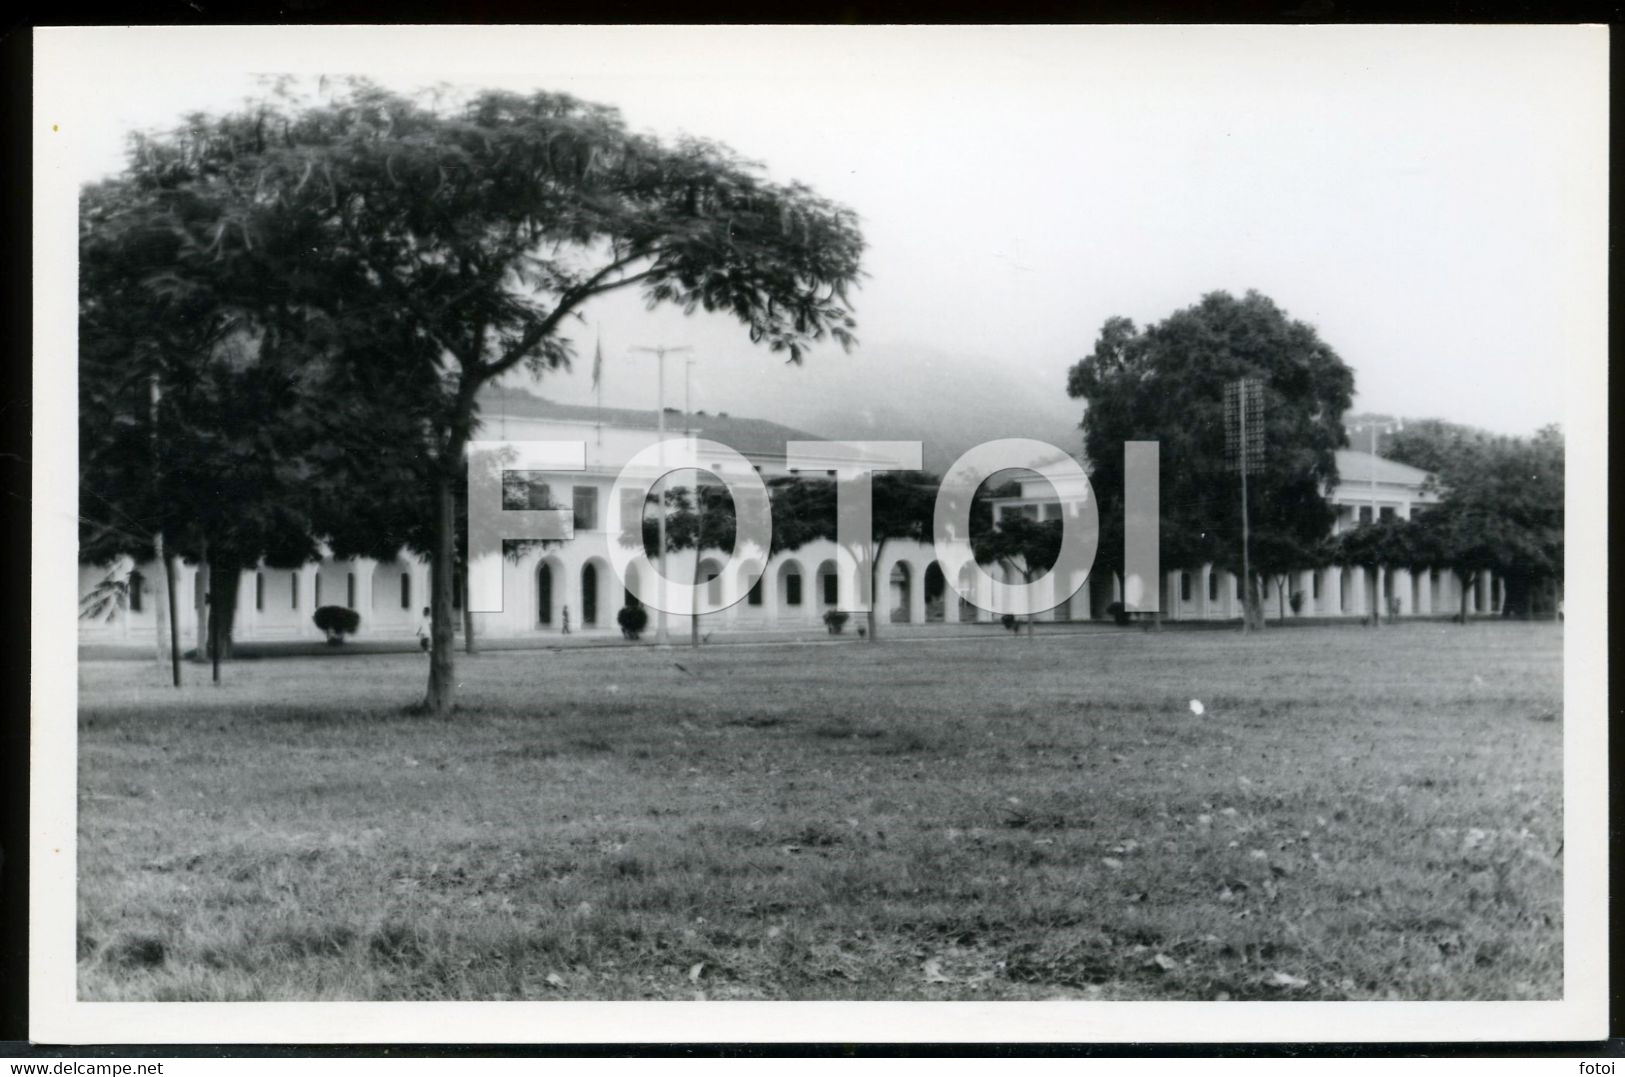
(950, 403)
(891, 391)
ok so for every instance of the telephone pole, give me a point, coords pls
(1244, 445)
(660, 351)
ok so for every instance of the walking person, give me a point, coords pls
(425, 631)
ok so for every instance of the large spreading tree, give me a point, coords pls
(477, 230)
(1166, 383)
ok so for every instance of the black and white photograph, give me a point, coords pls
(785, 519)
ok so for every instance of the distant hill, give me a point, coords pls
(950, 403)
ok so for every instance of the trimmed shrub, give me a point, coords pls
(337, 622)
(1296, 601)
(633, 620)
(835, 620)
(1118, 612)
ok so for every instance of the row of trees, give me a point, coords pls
(1500, 511)
(1501, 507)
(804, 510)
(314, 290)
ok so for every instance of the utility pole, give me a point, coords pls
(1244, 445)
(699, 508)
(660, 351)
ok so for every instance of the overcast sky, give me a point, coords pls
(1431, 199)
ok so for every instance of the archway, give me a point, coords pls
(968, 610)
(710, 574)
(900, 592)
(753, 597)
(790, 597)
(936, 586)
(544, 594)
(589, 594)
(1345, 587)
(829, 586)
(387, 593)
(629, 596)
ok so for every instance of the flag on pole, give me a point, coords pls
(598, 388)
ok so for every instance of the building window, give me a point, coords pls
(1030, 511)
(1184, 587)
(1388, 512)
(293, 590)
(406, 591)
(1052, 511)
(537, 495)
(832, 586)
(755, 596)
(1365, 514)
(589, 594)
(349, 590)
(259, 590)
(1314, 584)
(1238, 587)
(137, 584)
(1213, 587)
(584, 499)
(792, 589)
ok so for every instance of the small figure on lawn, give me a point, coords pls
(425, 630)
(564, 621)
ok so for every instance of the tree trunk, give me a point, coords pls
(441, 693)
(469, 644)
(160, 609)
(1517, 596)
(225, 575)
(1467, 583)
(694, 606)
(1280, 597)
(874, 592)
(1254, 603)
(174, 620)
(200, 606)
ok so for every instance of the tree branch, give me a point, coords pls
(572, 299)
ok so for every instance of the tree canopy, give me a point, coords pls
(1166, 382)
(420, 248)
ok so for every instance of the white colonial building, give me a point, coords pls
(572, 586)
(1369, 488)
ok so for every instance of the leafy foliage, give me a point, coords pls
(1024, 546)
(337, 622)
(1166, 383)
(1502, 511)
(416, 249)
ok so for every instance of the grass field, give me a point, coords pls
(1358, 814)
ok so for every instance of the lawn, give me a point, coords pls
(1357, 814)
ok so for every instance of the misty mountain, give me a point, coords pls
(950, 403)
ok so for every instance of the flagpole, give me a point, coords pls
(598, 387)
(660, 351)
